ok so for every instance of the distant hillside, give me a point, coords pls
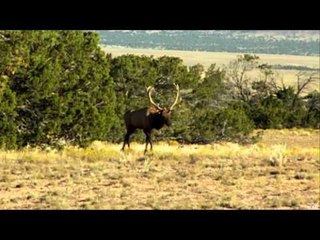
(291, 42)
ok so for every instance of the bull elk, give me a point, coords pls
(148, 118)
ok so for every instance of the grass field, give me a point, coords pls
(281, 171)
(223, 58)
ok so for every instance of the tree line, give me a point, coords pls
(59, 86)
(214, 41)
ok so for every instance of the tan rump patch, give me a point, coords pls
(152, 110)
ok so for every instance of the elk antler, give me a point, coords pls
(149, 90)
(177, 97)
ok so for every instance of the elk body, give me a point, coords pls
(148, 118)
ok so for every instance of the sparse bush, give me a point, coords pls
(312, 118)
(230, 123)
(278, 155)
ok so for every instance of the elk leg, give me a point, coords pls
(126, 138)
(124, 143)
(148, 140)
(145, 150)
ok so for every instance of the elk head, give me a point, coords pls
(164, 112)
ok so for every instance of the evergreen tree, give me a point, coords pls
(62, 86)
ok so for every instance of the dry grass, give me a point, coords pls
(281, 171)
(223, 58)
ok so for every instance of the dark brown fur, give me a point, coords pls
(146, 119)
